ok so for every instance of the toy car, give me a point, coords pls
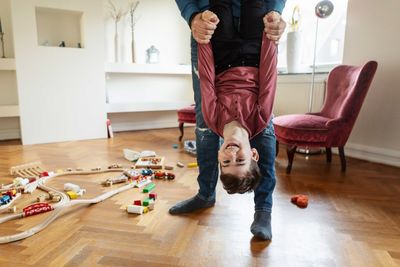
(170, 176)
(147, 172)
(159, 175)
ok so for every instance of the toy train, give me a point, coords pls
(6, 198)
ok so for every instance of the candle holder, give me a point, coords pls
(2, 44)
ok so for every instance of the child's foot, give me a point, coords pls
(261, 226)
(190, 205)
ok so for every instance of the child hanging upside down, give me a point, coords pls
(238, 80)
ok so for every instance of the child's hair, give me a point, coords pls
(235, 184)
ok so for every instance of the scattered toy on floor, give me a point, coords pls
(150, 162)
(169, 167)
(300, 200)
(175, 146)
(180, 164)
(192, 165)
(133, 156)
(190, 147)
(149, 187)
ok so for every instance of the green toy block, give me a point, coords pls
(147, 202)
(148, 188)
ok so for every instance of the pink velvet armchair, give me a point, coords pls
(347, 87)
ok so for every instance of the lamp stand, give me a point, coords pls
(312, 150)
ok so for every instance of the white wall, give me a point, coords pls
(61, 90)
(372, 34)
(159, 23)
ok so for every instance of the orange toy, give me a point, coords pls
(300, 200)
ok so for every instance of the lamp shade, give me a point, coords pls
(324, 9)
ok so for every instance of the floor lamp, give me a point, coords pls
(322, 10)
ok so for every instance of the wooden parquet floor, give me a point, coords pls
(353, 219)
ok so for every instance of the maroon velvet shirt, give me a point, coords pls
(243, 94)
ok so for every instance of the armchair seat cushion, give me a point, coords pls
(187, 114)
(301, 128)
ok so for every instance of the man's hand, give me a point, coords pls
(274, 26)
(203, 26)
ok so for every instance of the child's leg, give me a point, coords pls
(251, 30)
(225, 40)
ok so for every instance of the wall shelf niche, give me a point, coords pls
(7, 111)
(57, 26)
(7, 64)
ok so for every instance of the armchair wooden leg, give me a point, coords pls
(290, 150)
(181, 130)
(328, 154)
(276, 148)
(342, 158)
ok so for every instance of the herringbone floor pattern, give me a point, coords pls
(353, 219)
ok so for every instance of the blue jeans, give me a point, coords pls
(207, 144)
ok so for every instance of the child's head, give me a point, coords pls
(239, 170)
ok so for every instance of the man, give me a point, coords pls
(208, 142)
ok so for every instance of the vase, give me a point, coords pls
(293, 52)
(116, 43)
(133, 47)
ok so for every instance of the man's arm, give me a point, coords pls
(274, 25)
(188, 9)
(202, 30)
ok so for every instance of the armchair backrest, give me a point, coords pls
(347, 87)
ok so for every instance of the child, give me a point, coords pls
(238, 80)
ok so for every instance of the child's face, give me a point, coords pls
(235, 156)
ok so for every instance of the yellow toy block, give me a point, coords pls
(72, 195)
(192, 165)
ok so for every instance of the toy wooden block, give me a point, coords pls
(300, 200)
(153, 196)
(168, 167)
(148, 188)
(147, 202)
(137, 202)
(192, 165)
(72, 195)
(150, 162)
(180, 164)
(135, 209)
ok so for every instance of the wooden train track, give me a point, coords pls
(59, 207)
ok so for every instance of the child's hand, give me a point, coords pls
(203, 26)
(274, 26)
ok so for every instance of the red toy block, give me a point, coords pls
(153, 196)
(44, 174)
(300, 200)
(294, 199)
(137, 202)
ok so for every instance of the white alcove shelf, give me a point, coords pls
(7, 64)
(148, 68)
(55, 26)
(9, 111)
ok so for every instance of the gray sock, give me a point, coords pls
(190, 205)
(261, 226)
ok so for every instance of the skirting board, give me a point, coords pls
(9, 134)
(374, 154)
(120, 127)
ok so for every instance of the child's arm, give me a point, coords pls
(207, 83)
(267, 77)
